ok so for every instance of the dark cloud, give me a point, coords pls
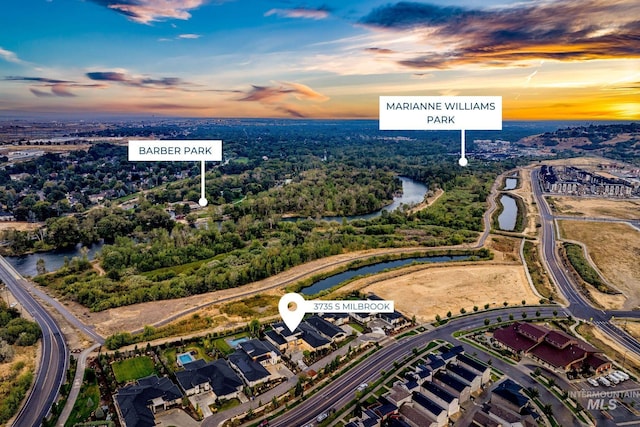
(564, 31)
(143, 82)
(36, 79)
(407, 15)
(379, 50)
(40, 93)
(56, 87)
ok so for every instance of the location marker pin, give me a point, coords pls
(292, 309)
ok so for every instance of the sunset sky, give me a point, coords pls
(548, 59)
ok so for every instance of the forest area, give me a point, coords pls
(246, 233)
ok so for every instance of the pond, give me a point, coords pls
(336, 279)
(510, 183)
(507, 219)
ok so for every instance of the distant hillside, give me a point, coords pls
(620, 141)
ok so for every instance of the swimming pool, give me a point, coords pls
(185, 358)
(234, 343)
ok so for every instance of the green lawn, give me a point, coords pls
(133, 369)
(226, 404)
(87, 402)
(357, 327)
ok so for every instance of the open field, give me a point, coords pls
(430, 290)
(601, 208)
(615, 249)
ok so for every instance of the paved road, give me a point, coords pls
(578, 305)
(53, 359)
(339, 392)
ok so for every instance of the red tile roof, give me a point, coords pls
(558, 359)
(559, 339)
(532, 331)
(596, 362)
(510, 337)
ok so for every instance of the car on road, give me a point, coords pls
(362, 387)
(320, 418)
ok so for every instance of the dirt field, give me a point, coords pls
(615, 249)
(20, 226)
(427, 291)
(599, 208)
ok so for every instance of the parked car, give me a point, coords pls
(605, 382)
(593, 382)
(623, 374)
(613, 379)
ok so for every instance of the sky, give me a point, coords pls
(548, 59)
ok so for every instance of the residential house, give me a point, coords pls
(136, 404)
(442, 397)
(465, 376)
(453, 386)
(262, 352)
(509, 394)
(252, 372)
(430, 408)
(475, 366)
(217, 376)
(327, 329)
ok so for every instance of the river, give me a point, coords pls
(507, 219)
(413, 193)
(53, 260)
(336, 279)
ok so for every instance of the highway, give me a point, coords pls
(54, 356)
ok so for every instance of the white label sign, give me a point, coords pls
(175, 151)
(440, 113)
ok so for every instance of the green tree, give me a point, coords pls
(40, 267)
(64, 232)
(254, 328)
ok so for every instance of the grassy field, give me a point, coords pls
(133, 369)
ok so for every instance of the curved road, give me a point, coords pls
(54, 355)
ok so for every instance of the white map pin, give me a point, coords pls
(292, 318)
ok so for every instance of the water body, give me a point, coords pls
(413, 192)
(53, 260)
(336, 279)
(507, 219)
(510, 183)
